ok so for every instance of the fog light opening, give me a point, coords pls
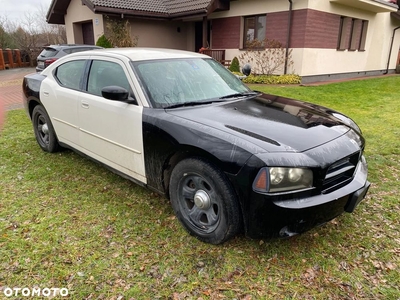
(286, 232)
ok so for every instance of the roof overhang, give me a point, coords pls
(218, 5)
(128, 12)
(58, 9)
(376, 6)
(395, 15)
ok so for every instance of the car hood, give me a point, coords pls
(271, 122)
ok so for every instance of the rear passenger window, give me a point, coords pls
(70, 73)
(106, 73)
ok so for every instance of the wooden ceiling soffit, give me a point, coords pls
(56, 12)
(218, 5)
(88, 3)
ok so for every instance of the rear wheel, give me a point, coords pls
(44, 131)
(204, 201)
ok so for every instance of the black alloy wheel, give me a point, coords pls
(44, 131)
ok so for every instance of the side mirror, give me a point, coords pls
(114, 92)
(246, 70)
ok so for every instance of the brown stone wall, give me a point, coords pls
(310, 29)
(226, 33)
(314, 29)
(277, 26)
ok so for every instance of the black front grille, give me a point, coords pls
(340, 173)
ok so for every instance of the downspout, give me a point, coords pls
(390, 51)
(288, 35)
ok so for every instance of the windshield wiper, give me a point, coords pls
(237, 95)
(220, 99)
(191, 103)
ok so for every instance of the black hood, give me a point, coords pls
(271, 122)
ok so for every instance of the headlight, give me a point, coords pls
(279, 180)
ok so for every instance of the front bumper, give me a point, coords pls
(266, 216)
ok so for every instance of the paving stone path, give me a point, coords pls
(11, 87)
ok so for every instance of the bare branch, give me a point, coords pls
(30, 33)
(267, 56)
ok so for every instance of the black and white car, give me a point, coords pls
(230, 159)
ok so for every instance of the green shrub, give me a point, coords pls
(103, 42)
(273, 79)
(234, 67)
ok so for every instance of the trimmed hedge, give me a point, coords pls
(273, 79)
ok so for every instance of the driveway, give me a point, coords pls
(10, 87)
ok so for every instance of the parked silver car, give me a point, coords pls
(53, 52)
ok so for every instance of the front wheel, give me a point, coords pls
(204, 201)
(44, 131)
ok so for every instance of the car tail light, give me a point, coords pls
(48, 62)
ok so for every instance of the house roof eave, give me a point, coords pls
(128, 12)
(137, 13)
(193, 14)
(58, 9)
(218, 5)
(395, 15)
(89, 4)
(56, 12)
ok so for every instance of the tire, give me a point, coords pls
(204, 201)
(44, 131)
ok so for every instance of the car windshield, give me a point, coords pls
(173, 82)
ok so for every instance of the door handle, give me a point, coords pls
(85, 105)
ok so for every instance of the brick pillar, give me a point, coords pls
(10, 58)
(17, 54)
(2, 65)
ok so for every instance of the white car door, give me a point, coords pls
(111, 131)
(60, 98)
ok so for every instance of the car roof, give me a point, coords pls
(139, 53)
(63, 46)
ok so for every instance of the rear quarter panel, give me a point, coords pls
(31, 91)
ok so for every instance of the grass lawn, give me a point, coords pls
(66, 222)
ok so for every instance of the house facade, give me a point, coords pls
(328, 39)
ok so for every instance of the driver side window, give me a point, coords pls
(105, 73)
